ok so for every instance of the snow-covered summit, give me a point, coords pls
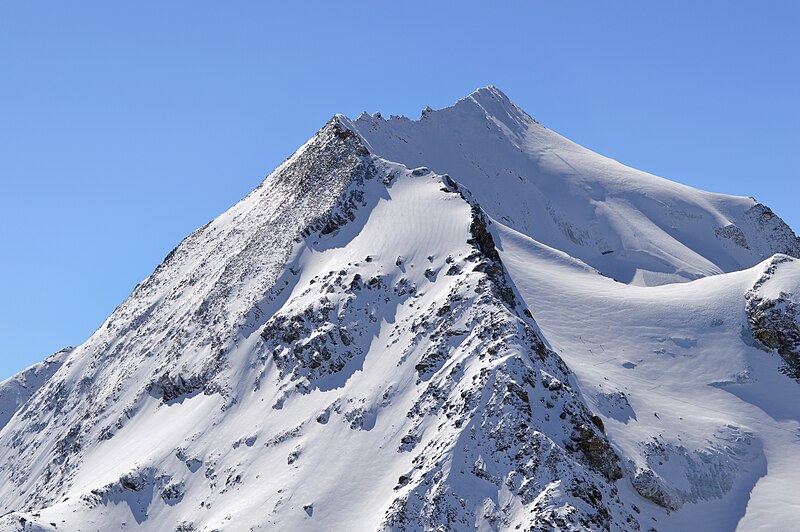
(404, 327)
(630, 225)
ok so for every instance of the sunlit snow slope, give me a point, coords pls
(632, 226)
(463, 322)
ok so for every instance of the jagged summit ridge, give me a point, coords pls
(490, 100)
(632, 226)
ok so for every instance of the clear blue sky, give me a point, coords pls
(126, 125)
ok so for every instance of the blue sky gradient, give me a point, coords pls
(125, 126)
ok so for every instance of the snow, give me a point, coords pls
(632, 226)
(465, 319)
(677, 351)
(17, 390)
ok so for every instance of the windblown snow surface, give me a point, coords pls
(464, 322)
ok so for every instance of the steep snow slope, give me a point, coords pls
(632, 226)
(705, 419)
(353, 347)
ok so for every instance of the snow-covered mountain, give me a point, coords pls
(462, 322)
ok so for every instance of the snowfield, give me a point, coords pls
(464, 322)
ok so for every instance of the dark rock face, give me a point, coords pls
(323, 337)
(651, 487)
(484, 242)
(174, 387)
(774, 236)
(775, 322)
(774, 230)
(734, 234)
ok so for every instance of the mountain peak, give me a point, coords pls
(489, 93)
(432, 317)
(577, 201)
(490, 102)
